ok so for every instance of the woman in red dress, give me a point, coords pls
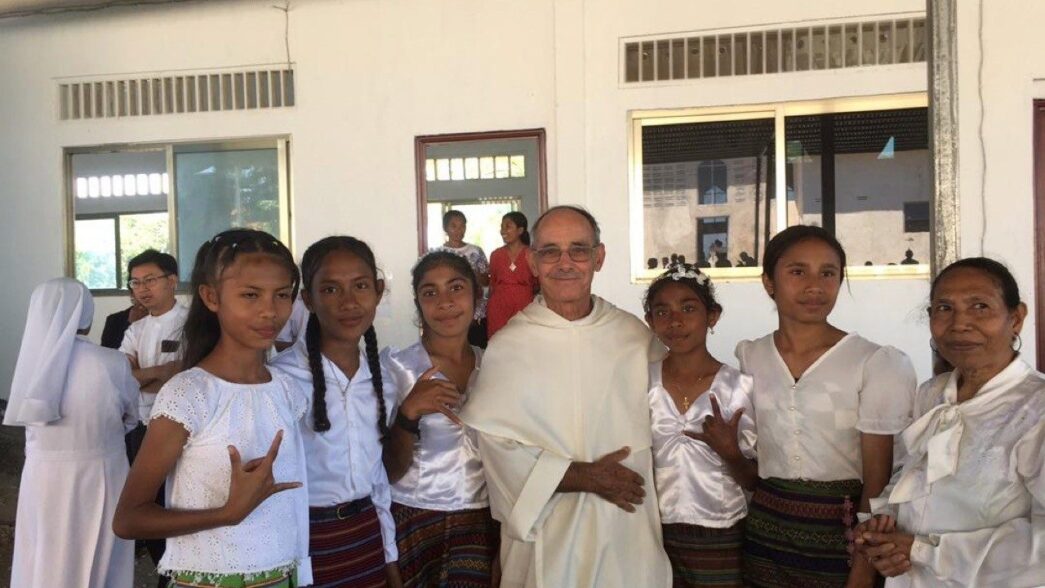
(512, 286)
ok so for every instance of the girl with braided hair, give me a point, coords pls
(446, 535)
(337, 366)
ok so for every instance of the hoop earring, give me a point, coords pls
(1019, 343)
(712, 329)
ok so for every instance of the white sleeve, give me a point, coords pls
(129, 391)
(183, 399)
(887, 395)
(746, 431)
(129, 345)
(522, 482)
(1011, 554)
(381, 496)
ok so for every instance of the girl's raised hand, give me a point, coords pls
(430, 395)
(720, 434)
(252, 483)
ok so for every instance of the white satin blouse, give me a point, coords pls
(446, 473)
(693, 484)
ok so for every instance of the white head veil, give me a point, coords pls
(57, 310)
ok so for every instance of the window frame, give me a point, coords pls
(779, 111)
(279, 142)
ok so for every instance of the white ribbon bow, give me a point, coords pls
(932, 442)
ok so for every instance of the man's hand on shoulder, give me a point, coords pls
(607, 478)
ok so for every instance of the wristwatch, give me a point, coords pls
(410, 426)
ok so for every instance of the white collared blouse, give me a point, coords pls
(809, 429)
(693, 484)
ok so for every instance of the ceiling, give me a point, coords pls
(16, 8)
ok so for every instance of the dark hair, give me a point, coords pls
(519, 219)
(164, 261)
(443, 258)
(202, 330)
(311, 262)
(587, 216)
(452, 214)
(791, 236)
(1003, 278)
(706, 291)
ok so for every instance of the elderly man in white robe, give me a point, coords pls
(562, 420)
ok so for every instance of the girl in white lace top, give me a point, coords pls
(225, 431)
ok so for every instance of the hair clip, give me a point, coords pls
(234, 246)
(681, 272)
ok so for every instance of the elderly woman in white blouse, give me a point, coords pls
(968, 507)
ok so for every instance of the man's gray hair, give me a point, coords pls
(579, 210)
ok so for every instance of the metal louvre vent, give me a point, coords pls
(792, 49)
(204, 92)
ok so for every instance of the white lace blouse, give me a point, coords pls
(809, 429)
(972, 487)
(446, 473)
(217, 413)
(693, 484)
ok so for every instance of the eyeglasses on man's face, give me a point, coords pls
(576, 253)
(148, 282)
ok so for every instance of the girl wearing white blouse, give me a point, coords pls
(446, 535)
(827, 405)
(352, 542)
(236, 514)
(969, 503)
(703, 434)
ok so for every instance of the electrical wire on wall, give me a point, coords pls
(286, 30)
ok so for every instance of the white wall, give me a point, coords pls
(373, 74)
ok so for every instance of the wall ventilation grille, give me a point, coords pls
(176, 94)
(794, 49)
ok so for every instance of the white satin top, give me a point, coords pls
(446, 473)
(972, 487)
(344, 462)
(809, 428)
(693, 484)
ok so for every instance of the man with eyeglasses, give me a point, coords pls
(153, 343)
(563, 428)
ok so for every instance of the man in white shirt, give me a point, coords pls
(561, 412)
(153, 343)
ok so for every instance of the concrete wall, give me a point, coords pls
(373, 74)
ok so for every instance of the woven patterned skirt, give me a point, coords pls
(797, 533)
(346, 547)
(445, 549)
(703, 556)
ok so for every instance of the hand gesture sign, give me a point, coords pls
(252, 483)
(430, 395)
(616, 483)
(720, 435)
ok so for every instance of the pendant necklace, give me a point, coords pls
(334, 370)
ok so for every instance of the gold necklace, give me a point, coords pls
(685, 397)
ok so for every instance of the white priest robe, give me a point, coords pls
(553, 391)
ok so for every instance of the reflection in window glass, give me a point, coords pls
(95, 258)
(471, 168)
(139, 232)
(872, 188)
(501, 166)
(222, 189)
(517, 163)
(727, 164)
(457, 169)
(486, 168)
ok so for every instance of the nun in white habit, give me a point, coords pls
(75, 400)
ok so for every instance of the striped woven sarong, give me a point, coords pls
(445, 549)
(797, 533)
(346, 547)
(703, 556)
(272, 579)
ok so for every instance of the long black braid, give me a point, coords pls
(313, 338)
(310, 264)
(373, 360)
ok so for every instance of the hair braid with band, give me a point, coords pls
(373, 360)
(313, 339)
